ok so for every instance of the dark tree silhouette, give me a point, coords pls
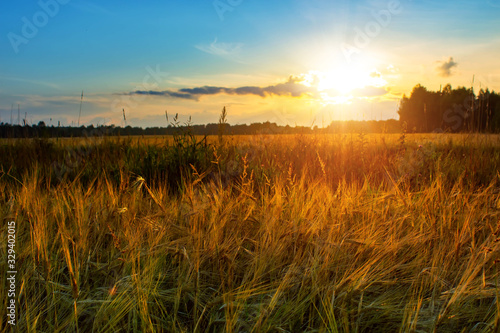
(450, 110)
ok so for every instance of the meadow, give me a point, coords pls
(266, 233)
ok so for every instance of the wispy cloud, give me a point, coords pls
(444, 68)
(221, 49)
(35, 82)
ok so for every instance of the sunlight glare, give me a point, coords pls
(339, 85)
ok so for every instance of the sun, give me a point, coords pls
(340, 85)
(342, 81)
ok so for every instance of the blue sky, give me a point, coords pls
(292, 62)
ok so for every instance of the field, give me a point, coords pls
(265, 233)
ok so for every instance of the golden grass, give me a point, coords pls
(328, 233)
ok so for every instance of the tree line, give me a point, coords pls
(450, 110)
(42, 131)
(446, 110)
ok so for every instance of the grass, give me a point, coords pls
(320, 233)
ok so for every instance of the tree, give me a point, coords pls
(412, 110)
(449, 110)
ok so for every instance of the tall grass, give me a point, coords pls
(332, 233)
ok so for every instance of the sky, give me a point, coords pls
(295, 62)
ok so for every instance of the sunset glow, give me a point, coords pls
(250, 166)
(251, 57)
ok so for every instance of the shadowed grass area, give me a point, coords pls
(332, 233)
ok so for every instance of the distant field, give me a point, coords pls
(390, 137)
(265, 233)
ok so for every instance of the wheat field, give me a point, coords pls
(265, 233)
